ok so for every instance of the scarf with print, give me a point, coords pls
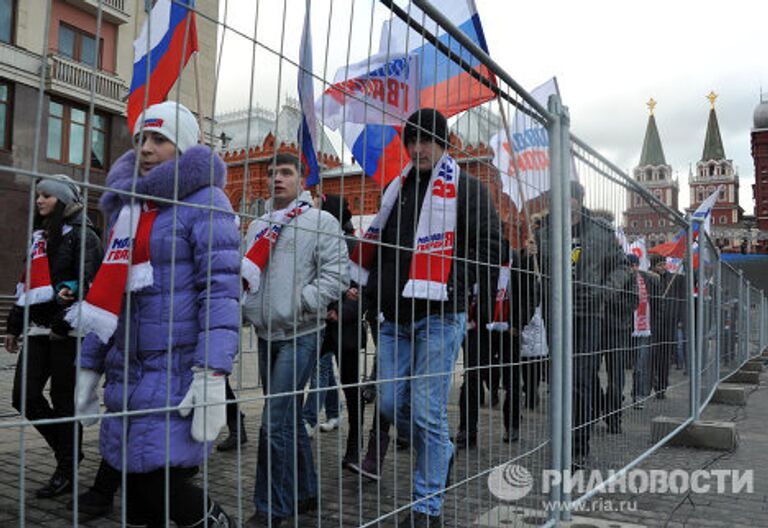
(257, 257)
(120, 268)
(435, 233)
(40, 287)
(500, 321)
(642, 316)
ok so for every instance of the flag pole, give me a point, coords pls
(520, 190)
(199, 96)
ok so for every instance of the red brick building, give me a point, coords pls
(713, 170)
(655, 174)
(760, 155)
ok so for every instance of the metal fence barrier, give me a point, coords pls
(529, 338)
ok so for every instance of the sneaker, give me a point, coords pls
(230, 442)
(59, 484)
(330, 425)
(464, 440)
(512, 435)
(92, 503)
(310, 430)
(374, 457)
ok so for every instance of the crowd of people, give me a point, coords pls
(159, 312)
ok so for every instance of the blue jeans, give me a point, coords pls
(285, 367)
(426, 350)
(680, 355)
(329, 397)
(641, 377)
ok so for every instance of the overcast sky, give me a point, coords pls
(609, 57)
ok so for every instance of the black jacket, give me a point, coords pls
(478, 238)
(672, 304)
(600, 268)
(64, 265)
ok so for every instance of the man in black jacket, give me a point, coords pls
(671, 309)
(419, 338)
(600, 272)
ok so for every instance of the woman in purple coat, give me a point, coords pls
(169, 337)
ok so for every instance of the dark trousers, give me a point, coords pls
(232, 409)
(586, 346)
(608, 404)
(485, 351)
(348, 359)
(662, 354)
(54, 360)
(146, 498)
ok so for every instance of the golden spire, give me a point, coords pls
(712, 96)
(651, 104)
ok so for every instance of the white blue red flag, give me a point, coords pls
(308, 125)
(702, 216)
(524, 164)
(166, 41)
(440, 84)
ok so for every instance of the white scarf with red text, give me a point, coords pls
(642, 326)
(40, 287)
(100, 310)
(257, 257)
(435, 234)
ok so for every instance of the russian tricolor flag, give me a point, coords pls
(308, 125)
(166, 41)
(443, 84)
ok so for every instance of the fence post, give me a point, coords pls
(567, 306)
(690, 324)
(748, 332)
(555, 271)
(741, 325)
(718, 315)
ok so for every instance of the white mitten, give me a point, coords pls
(86, 397)
(208, 387)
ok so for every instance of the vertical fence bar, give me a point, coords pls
(718, 316)
(555, 251)
(700, 319)
(741, 325)
(567, 307)
(690, 326)
(748, 332)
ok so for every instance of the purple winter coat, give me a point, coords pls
(197, 303)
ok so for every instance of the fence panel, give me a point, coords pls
(482, 304)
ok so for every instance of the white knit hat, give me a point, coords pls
(162, 118)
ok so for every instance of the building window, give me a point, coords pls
(721, 195)
(633, 223)
(79, 45)
(723, 219)
(7, 19)
(649, 223)
(5, 115)
(67, 127)
(661, 222)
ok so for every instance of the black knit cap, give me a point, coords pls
(426, 123)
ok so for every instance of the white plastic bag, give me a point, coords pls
(533, 340)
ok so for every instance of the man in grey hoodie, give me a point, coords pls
(307, 269)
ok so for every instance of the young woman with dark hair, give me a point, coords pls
(54, 281)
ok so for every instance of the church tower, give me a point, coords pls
(712, 170)
(760, 155)
(655, 174)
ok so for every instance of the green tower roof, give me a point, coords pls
(653, 153)
(713, 143)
